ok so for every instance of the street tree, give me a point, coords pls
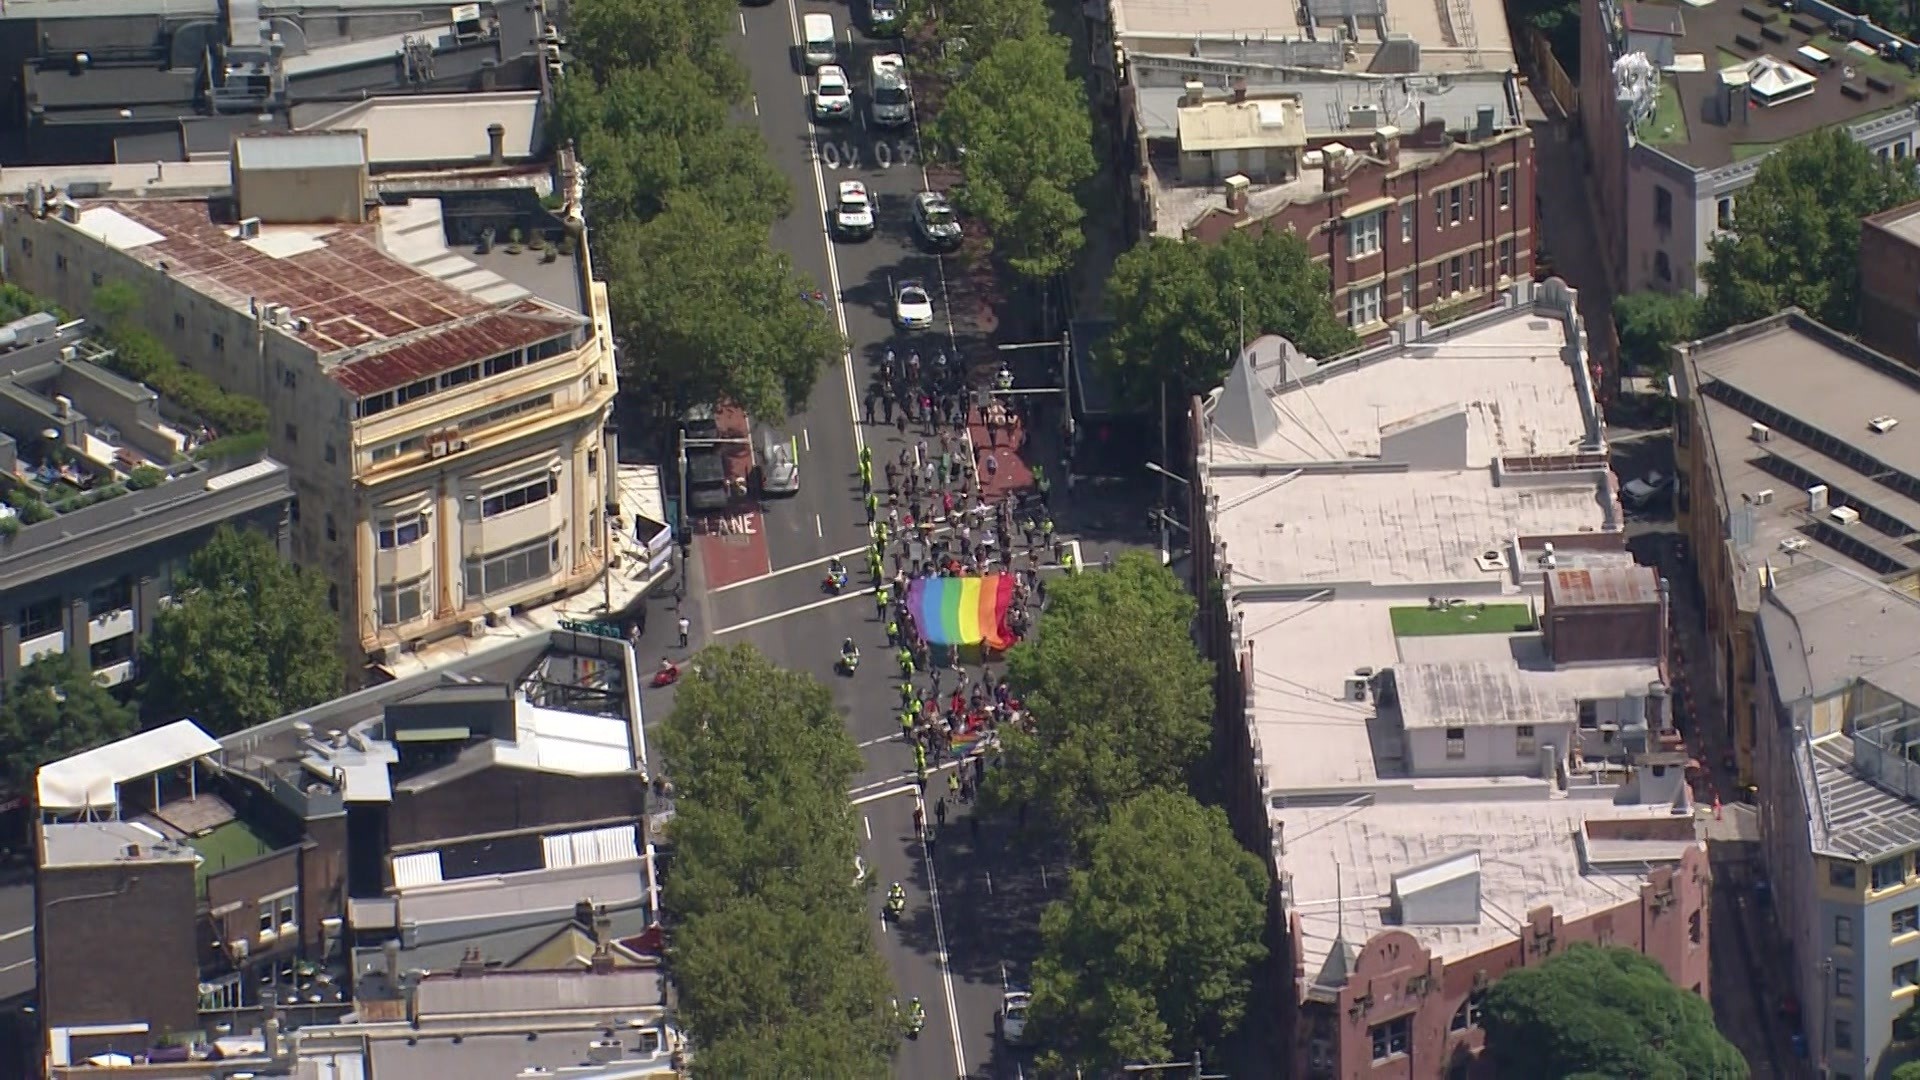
(1017, 123)
(1603, 1011)
(769, 926)
(1121, 700)
(1651, 323)
(252, 637)
(1795, 239)
(707, 312)
(648, 133)
(53, 709)
(628, 35)
(1152, 952)
(1182, 310)
(1909, 1070)
(970, 29)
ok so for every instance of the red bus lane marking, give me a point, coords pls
(732, 543)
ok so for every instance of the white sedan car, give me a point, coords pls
(912, 307)
(832, 94)
(1013, 1016)
(853, 213)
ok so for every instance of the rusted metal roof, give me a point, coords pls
(1610, 585)
(383, 321)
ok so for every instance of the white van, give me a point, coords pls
(821, 43)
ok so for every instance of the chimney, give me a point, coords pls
(62, 406)
(1195, 92)
(1239, 88)
(583, 914)
(472, 962)
(272, 1036)
(1386, 145)
(1237, 186)
(489, 73)
(390, 953)
(497, 144)
(601, 962)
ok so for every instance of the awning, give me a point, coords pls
(87, 781)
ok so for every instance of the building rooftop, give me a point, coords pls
(107, 843)
(1330, 105)
(435, 130)
(1344, 862)
(88, 781)
(1820, 401)
(384, 302)
(1849, 81)
(1467, 36)
(1602, 586)
(1901, 221)
(1467, 680)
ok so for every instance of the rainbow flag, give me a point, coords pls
(963, 610)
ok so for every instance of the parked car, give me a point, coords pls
(706, 479)
(832, 94)
(853, 213)
(1640, 492)
(912, 306)
(935, 222)
(1013, 1016)
(883, 16)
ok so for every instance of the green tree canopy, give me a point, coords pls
(1651, 323)
(1909, 1070)
(770, 934)
(650, 132)
(1605, 1011)
(251, 638)
(626, 35)
(1018, 123)
(1122, 703)
(1180, 307)
(54, 709)
(707, 311)
(1152, 952)
(980, 26)
(1796, 232)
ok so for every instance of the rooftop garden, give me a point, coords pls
(1668, 124)
(226, 846)
(1445, 617)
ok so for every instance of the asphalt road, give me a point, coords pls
(16, 940)
(946, 951)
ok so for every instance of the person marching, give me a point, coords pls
(873, 507)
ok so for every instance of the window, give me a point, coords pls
(1364, 306)
(1723, 211)
(1468, 1014)
(1407, 214)
(332, 532)
(1663, 207)
(514, 566)
(1453, 204)
(1524, 744)
(1888, 873)
(98, 279)
(40, 618)
(331, 455)
(1392, 1038)
(1906, 921)
(179, 321)
(1843, 982)
(1506, 258)
(1589, 714)
(1843, 931)
(60, 262)
(1841, 875)
(292, 433)
(1662, 266)
(1456, 742)
(1363, 237)
(1682, 492)
(1455, 274)
(26, 245)
(1693, 928)
(110, 597)
(401, 531)
(279, 914)
(1473, 196)
(522, 494)
(110, 652)
(1409, 291)
(1503, 188)
(1843, 1034)
(1907, 974)
(219, 343)
(1439, 209)
(593, 461)
(333, 597)
(403, 602)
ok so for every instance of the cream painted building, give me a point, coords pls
(441, 400)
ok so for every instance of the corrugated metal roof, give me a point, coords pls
(591, 847)
(526, 323)
(1607, 585)
(413, 871)
(309, 150)
(620, 990)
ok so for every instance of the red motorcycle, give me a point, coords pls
(668, 674)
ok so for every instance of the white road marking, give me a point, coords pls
(821, 561)
(878, 741)
(764, 619)
(1003, 967)
(819, 530)
(743, 33)
(833, 265)
(756, 102)
(806, 440)
(903, 789)
(867, 823)
(940, 940)
(21, 932)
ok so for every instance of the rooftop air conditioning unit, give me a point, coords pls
(1844, 516)
(1793, 544)
(438, 448)
(387, 654)
(1356, 688)
(1883, 424)
(1816, 498)
(1763, 497)
(248, 230)
(477, 626)
(1760, 432)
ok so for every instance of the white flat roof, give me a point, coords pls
(1466, 680)
(1342, 861)
(555, 741)
(1466, 37)
(1310, 736)
(86, 781)
(1414, 529)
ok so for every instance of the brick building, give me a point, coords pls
(1890, 283)
(1413, 200)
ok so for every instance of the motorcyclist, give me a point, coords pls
(916, 1015)
(896, 898)
(849, 651)
(836, 572)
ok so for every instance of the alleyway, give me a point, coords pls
(1568, 236)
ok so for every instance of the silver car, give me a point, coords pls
(935, 221)
(779, 473)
